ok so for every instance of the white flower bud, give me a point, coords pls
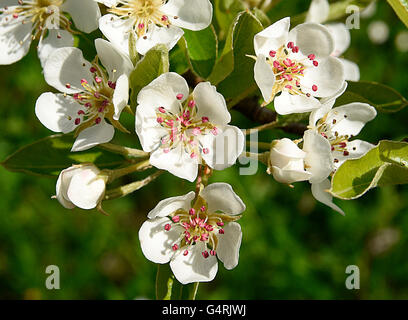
(80, 186)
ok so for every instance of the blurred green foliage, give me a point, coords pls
(292, 246)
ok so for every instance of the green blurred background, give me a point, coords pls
(293, 247)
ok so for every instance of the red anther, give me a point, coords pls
(191, 103)
(77, 121)
(81, 112)
(289, 87)
(98, 120)
(112, 85)
(202, 208)
(15, 15)
(204, 119)
(141, 25)
(272, 53)
(346, 153)
(213, 253)
(204, 237)
(175, 247)
(221, 231)
(167, 227)
(93, 69)
(68, 86)
(88, 104)
(214, 131)
(332, 148)
(311, 56)
(290, 45)
(314, 87)
(164, 18)
(159, 119)
(315, 63)
(220, 224)
(179, 96)
(342, 144)
(205, 254)
(83, 81)
(206, 150)
(98, 80)
(191, 211)
(162, 110)
(185, 253)
(295, 49)
(276, 64)
(209, 227)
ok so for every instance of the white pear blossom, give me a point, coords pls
(192, 236)
(181, 130)
(22, 21)
(153, 22)
(318, 13)
(80, 186)
(295, 68)
(91, 93)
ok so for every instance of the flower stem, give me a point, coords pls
(261, 157)
(117, 173)
(193, 292)
(130, 152)
(265, 126)
(131, 187)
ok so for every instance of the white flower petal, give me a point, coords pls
(92, 136)
(341, 37)
(191, 14)
(327, 104)
(86, 189)
(356, 149)
(312, 38)
(67, 66)
(163, 92)
(351, 70)
(109, 3)
(320, 194)
(15, 39)
(319, 157)
(328, 77)
(115, 62)
(264, 77)
(221, 197)
(156, 243)
(287, 103)
(194, 267)
(224, 148)
(318, 11)
(167, 36)
(289, 175)
(211, 104)
(57, 112)
(116, 30)
(64, 179)
(229, 244)
(285, 148)
(350, 118)
(56, 39)
(148, 129)
(272, 38)
(85, 14)
(120, 95)
(168, 206)
(177, 162)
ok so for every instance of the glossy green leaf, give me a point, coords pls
(382, 97)
(201, 47)
(50, 155)
(386, 164)
(401, 9)
(153, 64)
(225, 12)
(240, 82)
(178, 61)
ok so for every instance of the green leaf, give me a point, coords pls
(201, 49)
(240, 82)
(178, 61)
(153, 64)
(401, 9)
(382, 97)
(133, 54)
(386, 164)
(225, 12)
(261, 16)
(50, 155)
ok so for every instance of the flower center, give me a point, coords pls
(96, 99)
(43, 14)
(143, 12)
(199, 226)
(338, 142)
(288, 72)
(184, 128)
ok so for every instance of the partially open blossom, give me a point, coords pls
(318, 13)
(80, 186)
(295, 68)
(182, 130)
(192, 236)
(22, 21)
(91, 93)
(153, 21)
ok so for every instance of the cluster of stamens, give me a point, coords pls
(338, 142)
(184, 128)
(288, 72)
(41, 13)
(96, 99)
(199, 226)
(143, 13)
